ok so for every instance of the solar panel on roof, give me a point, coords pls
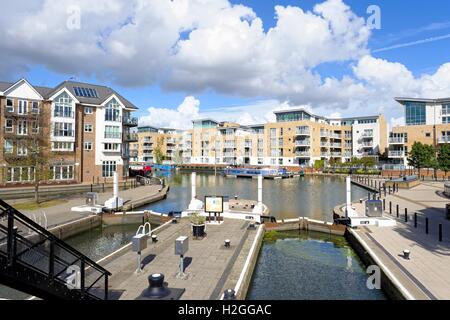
(85, 92)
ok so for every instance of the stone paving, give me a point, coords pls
(208, 263)
(429, 266)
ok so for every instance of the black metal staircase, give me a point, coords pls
(35, 261)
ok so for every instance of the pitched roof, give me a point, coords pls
(103, 92)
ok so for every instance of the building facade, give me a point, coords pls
(426, 121)
(297, 138)
(73, 133)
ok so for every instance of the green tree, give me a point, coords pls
(368, 162)
(421, 156)
(319, 164)
(443, 158)
(157, 152)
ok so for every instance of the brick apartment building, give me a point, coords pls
(80, 131)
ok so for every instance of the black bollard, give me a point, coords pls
(440, 232)
(426, 225)
(415, 219)
(406, 214)
(229, 294)
(390, 207)
(384, 204)
(397, 209)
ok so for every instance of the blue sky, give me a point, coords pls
(402, 22)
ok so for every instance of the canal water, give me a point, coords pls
(313, 197)
(309, 266)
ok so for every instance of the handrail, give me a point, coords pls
(43, 259)
(44, 232)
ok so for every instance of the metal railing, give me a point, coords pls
(397, 140)
(31, 252)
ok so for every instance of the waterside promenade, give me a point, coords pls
(426, 275)
(210, 266)
(61, 213)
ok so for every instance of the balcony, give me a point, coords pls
(324, 144)
(229, 154)
(303, 143)
(397, 154)
(347, 155)
(170, 141)
(113, 135)
(336, 154)
(130, 122)
(63, 114)
(247, 154)
(367, 134)
(397, 140)
(134, 153)
(303, 131)
(366, 145)
(229, 145)
(63, 133)
(325, 154)
(335, 136)
(303, 154)
(336, 145)
(324, 134)
(248, 144)
(130, 137)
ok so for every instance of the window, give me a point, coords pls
(88, 110)
(62, 172)
(62, 146)
(8, 147)
(63, 106)
(20, 174)
(415, 113)
(9, 125)
(63, 129)
(22, 150)
(112, 111)
(88, 146)
(446, 109)
(22, 127)
(35, 107)
(88, 128)
(35, 127)
(446, 120)
(108, 168)
(111, 147)
(427, 134)
(22, 107)
(112, 132)
(9, 105)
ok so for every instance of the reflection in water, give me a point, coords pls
(101, 241)
(313, 197)
(309, 266)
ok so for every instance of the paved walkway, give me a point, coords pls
(209, 265)
(427, 273)
(61, 213)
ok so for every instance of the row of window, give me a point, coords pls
(23, 106)
(8, 148)
(21, 127)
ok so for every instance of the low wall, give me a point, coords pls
(69, 229)
(246, 275)
(133, 218)
(402, 184)
(306, 224)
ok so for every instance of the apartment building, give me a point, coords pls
(426, 121)
(168, 142)
(82, 130)
(299, 137)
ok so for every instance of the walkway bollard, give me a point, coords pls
(384, 187)
(390, 207)
(426, 225)
(440, 232)
(389, 189)
(397, 209)
(384, 204)
(406, 214)
(415, 219)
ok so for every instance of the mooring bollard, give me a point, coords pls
(397, 210)
(406, 214)
(406, 254)
(384, 204)
(440, 232)
(229, 294)
(415, 219)
(390, 207)
(426, 225)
